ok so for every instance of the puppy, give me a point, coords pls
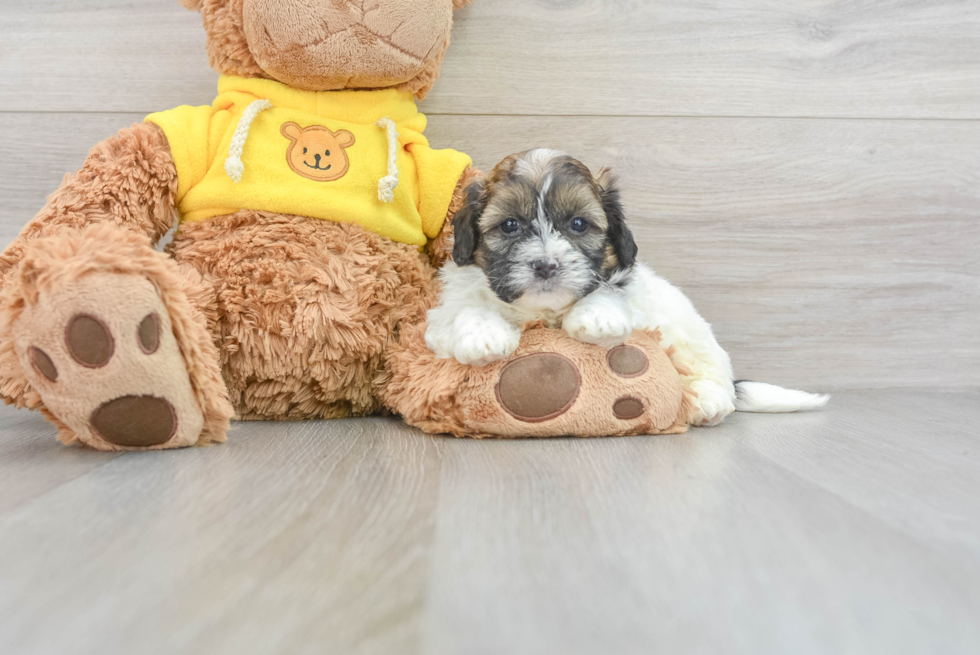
(542, 239)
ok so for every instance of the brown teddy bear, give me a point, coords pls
(311, 211)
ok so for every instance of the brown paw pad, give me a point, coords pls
(538, 387)
(89, 341)
(149, 334)
(135, 421)
(43, 364)
(628, 408)
(627, 361)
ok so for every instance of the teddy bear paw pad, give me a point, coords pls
(89, 341)
(628, 408)
(627, 361)
(104, 358)
(135, 421)
(538, 387)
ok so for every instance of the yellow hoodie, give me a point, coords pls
(346, 156)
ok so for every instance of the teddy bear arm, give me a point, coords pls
(553, 385)
(129, 180)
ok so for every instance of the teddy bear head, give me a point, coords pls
(326, 45)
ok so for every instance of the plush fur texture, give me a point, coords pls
(128, 180)
(472, 325)
(307, 309)
(55, 272)
(444, 396)
(300, 327)
(324, 46)
(544, 230)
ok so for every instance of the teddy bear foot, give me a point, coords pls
(101, 353)
(97, 331)
(553, 385)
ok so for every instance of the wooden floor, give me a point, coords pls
(851, 530)
(809, 173)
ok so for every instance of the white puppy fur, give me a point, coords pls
(544, 240)
(472, 325)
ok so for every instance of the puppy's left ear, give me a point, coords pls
(466, 224)
(620, 236)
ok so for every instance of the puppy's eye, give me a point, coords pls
(578, 225)
(510, 226)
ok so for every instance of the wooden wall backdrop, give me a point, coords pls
(808, 172)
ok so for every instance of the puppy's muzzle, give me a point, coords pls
(545, 269)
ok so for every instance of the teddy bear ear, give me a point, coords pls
(291, 131)
(195, 5)
(344, 138)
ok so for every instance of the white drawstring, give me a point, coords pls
(387, 184)
(233, 165)
(236, 168)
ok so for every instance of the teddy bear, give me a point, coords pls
(312, 214)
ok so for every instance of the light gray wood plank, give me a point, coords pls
(707, 543)
(849, 530)
(901, 58)
(37, 151)
(827, 253)
(32, 466)
(102, 55)
(835, 253)
(889, 470)
(299, 538)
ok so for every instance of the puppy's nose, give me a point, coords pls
(545, 268)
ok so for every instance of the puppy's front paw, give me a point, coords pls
(605, 324)
(714, 403)
(487, 344)
(439, 339)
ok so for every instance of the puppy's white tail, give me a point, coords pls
(762, 397)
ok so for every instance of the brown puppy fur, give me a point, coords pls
(544, 206)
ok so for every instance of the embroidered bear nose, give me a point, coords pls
(545, 268)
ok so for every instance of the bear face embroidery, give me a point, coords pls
(316, 152)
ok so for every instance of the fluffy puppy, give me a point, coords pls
(542, 239)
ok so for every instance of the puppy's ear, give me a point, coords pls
(619, 235)
(466, 224)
